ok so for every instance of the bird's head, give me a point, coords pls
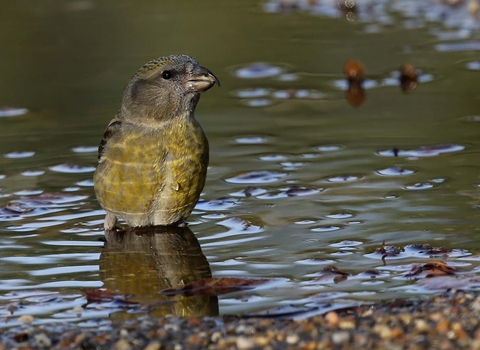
(167, 87)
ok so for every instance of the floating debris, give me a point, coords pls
(431, 269)
(355, 74)
(349, 9)
(408, 77)
(354, 71)
(388, 251)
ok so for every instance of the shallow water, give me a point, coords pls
(298, 178)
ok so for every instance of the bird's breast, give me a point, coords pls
(153, 173)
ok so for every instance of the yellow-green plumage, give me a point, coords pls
(154, 156)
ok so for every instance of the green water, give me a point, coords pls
(68, 62)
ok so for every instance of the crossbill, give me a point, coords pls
(153, 158)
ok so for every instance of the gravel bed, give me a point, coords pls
(448, 321)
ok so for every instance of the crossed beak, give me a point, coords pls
(200, 80)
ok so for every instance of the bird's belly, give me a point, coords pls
(183, 183)
(148, 186)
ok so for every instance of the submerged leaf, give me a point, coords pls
(431, 269)
(215, 286)
(105, 295)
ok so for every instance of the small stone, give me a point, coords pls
(340, 337)
(360, 340)
(215, 337)
(292, 339)
(244, 343)
(265, 323)
(311, 345)
(240, 329)
(42, 341)
(262, 341)
(442, 326)
(122, 344)
(475, 345)
(435, 316)
(422, 326)
(397, 332)
(194, 322)
(27, 319)
(154, 345)
(332, 319)
(123, 333)
(405, 318)
(475, 305)
(195, 340)
(347, 324)
(383, 331)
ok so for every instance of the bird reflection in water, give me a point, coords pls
(144, 261)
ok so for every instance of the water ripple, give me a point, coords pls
(259, 70)
(71, 168)
(256, 177)
(423, 151)
(395, 171)
(18, 154)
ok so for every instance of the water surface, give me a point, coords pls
(298, 179)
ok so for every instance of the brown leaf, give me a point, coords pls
(332, 269)
(215, 286)
(105, 295)
(431, 269)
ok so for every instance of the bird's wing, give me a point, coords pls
(112, 128)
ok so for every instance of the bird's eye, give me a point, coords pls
(167, 75)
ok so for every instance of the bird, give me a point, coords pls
(153, 158)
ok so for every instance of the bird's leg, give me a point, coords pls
(181, 222)
(110, 222)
